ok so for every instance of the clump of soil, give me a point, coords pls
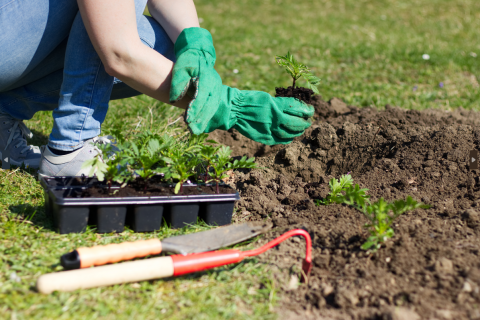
(302, 94)
(429, 270)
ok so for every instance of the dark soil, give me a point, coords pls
(430, 269)
(136, 189)
(300, 93)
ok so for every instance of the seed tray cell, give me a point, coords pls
(72, 213)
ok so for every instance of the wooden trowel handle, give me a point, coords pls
(100, 255)
(131, 271)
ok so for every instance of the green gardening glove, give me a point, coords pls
(193, 74)
(261, 117)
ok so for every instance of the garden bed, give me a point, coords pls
(430, 269)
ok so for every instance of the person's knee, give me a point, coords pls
(153, 35)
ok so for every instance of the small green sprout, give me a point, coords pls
(144, 156)
(354, 196)
(381, 220)
(345, 184)
(208, 153)
(222, 163)
(110, 168)
(296, 70)
(183, 158)
(182, 167)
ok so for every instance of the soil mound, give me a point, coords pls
(303, 94)
(430, 269)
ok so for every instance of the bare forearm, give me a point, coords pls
(124, 56)
(174, 15)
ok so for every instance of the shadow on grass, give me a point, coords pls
(35, 215)
(38, 139)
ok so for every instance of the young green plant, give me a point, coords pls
(345, 184)
(381, 215)
(144, 157)
(184, 157)
(208, 153)
(378, 213)
(182, 167)
(222, 163)
(109, 165)
(297, 70)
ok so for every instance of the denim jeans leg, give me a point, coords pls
(86, 87)
(38, 89)
(31, 31)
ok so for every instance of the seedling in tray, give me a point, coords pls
(152, 154)
(184, 158)
(222, 163)
(208, 154)
(296, 70)
(145, 158)
(182, 167)
(111, 166)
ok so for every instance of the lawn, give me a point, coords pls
(413, 54)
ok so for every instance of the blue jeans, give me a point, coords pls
(47, 62)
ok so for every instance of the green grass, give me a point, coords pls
(29, 247)
(368, 53)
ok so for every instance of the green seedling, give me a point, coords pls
(296, 70)
(151, 154)
(182, 167)
(144, 157)
(381, 216)
(345, 184)
(378, 213)
(183, 158)
(196, 142)
(110, 168)
(222, 163)
(208, 153)
(354, 196)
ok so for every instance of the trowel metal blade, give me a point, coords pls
(214, 239)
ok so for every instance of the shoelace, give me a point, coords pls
(20, 132)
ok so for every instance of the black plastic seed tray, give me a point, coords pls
(71, 213)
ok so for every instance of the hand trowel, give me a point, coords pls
(190, 243)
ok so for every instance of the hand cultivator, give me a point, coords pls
(161, 267)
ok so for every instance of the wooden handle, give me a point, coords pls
(132, 271)
(100, 255)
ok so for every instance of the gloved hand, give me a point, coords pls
(193, 74)
(261, 117)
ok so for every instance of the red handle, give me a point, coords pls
(203, 261)
(183, 264)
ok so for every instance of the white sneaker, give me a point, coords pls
(69, 164)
